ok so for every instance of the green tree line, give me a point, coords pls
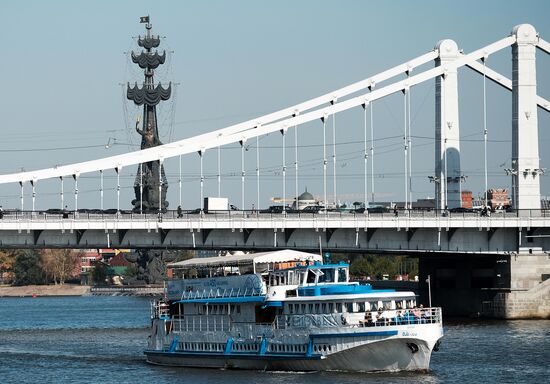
(376, 266)
(26, 267)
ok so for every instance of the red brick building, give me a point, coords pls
(467, 199)
(498, 198)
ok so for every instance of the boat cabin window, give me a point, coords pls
(327, 276)
(310, 276)
(291, 278)
(342, 275)
(385, 305)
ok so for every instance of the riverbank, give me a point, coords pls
(44, 290)
(78, 290)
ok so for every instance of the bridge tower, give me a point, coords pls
(525, 149)
(447, 131)
(150, 185)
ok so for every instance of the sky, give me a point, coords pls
(66, 63)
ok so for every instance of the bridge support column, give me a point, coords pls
(529, 293)
(447, 145)
(525, 148)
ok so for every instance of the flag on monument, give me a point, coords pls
(144, 19)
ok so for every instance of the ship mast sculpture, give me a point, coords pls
(150, 185)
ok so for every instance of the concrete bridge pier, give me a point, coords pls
(529, 293)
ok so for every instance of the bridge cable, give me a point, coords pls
(140, 188)
(219, 173)
(334, 153)
(257, 172)
(201, 181)
(242, 174)
(118, 189)
(75, 177)
(33, 184)
(445, 185)
(372, 150)
(62, 206)
(296, 162)
(22, 196)
(101, 187)
(324, 119)
(179, 181)
(366, 156)
(160, 186)
(409, 143)
(405, 146)
(284, 170)
(484, 59)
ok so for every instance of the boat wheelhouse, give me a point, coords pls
(285, 310)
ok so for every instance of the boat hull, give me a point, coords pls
(397, 354)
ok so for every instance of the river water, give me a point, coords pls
(101, 339)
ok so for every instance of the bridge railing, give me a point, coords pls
(197, 215)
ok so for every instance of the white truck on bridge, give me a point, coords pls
(216, 204)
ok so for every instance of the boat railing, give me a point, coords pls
(402, 317)
(221, 293)
(371, 319)
(160, 309)
(201, 323)
(253, 330)
(220, 323)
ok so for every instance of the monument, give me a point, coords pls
(150, 185)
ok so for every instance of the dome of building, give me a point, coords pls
(306, 196)
(306, 199)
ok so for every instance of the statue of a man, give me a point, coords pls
(148, 135)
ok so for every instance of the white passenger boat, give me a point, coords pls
(285, 310)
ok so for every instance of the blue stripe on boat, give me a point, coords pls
(234, 355)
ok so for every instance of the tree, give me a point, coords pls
(7, 259)
(183, 255)
(376, 266)
(27, 269)
(59, 264)
(361, 268)
(100, 272)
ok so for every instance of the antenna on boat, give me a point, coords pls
(320, 249)
(428, 280)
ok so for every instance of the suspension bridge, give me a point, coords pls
(408, 230)
(519, 237)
